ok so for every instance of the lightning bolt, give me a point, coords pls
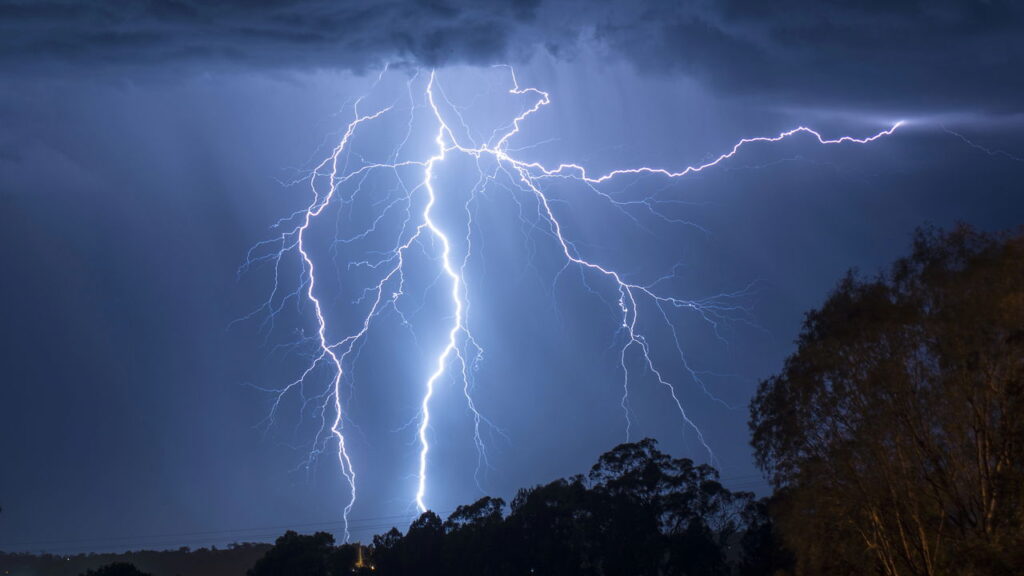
(338, 172)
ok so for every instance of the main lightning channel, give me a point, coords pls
(456, 281)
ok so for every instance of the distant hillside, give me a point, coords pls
(231, 561)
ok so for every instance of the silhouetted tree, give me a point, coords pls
(479, 515)
(342, 560)
(658, 515)
(702, 517)
(295, 554)
(473, 538)
(638, 512)
(549, 529)
(761, 549)
(116, 569)
(420, 551)
(423, 546)
(386, 552)
(630, 486)
(896, 428)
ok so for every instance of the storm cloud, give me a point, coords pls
(937, 55)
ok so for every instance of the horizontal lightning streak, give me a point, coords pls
(986, 150)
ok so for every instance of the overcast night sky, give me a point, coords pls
(146, 147)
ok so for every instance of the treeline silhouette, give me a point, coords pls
(638, 511)
(234, 559)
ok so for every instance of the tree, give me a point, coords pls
(550, 528)
(386, 550)
(761, 550)
(420, 551)
(473, 536)
(424, 546)
(116, 569)
(476, 516)
(638, 512)
(630, 486)
(343, 559)
(654, 514)
(296, 554)
(894, 432)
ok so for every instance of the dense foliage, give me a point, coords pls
(896, 430)
(117, 569)
(308, 555)
(637, 512)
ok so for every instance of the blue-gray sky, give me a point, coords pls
(144, 150)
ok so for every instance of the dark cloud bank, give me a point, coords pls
(934, 54)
